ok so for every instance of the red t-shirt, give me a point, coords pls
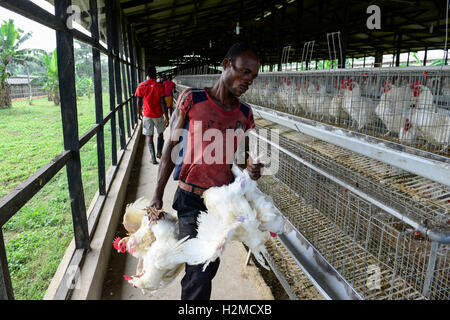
(168, 87)
(151, 92)
(211, 145)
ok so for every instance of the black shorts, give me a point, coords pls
(196, 284)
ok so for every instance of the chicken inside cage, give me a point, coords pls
(405, 106)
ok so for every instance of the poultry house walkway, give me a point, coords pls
(234, 279)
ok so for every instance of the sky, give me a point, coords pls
(45, 38)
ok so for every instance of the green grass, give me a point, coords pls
(37, 236)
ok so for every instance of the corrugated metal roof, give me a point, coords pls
(170, 30)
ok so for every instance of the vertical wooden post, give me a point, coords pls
(131, 45)
(117, 76)
(112, 91)
(66, 75)
(97, 67)
(6, 290)
(127, 51)
(123, 66)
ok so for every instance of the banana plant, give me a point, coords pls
(11, 39)
(49, 79)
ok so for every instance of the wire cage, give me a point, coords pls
(362, 215)
(410, 106)
(378, 254)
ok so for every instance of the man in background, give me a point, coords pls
(152, 107)
(169, 88)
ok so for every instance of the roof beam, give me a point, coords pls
(133, 3)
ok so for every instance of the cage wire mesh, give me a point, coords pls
(355, 236)
(358, 238)
(410, 106)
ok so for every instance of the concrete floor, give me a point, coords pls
(234, 280)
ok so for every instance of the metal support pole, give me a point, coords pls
(430, 270)
(425, 57)
(66, 75)
(97, 67)
(379, 59)
(397, 55)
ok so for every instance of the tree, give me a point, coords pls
(51, 81)
(10, 41)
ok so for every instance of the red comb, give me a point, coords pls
(273, 234)
(116, 243)
(122, 247)
(128, 278)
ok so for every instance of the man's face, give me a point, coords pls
(240, 72)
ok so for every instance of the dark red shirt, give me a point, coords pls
(213, 135)
(151, 92)
(168, 87)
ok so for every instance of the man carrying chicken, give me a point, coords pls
(217, 108)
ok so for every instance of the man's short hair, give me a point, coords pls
(151, 71)
(238, 48)
(170, 77)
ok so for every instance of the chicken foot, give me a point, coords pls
(154, 214)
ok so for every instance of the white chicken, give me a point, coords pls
(238, 211)
(359, 108)
(423, 97)
(408, 132)
(153, 243)
(336, 109)
(394, 108)
(302, 97)
(430, 121)
(136, 224)
(310, 99)
(284, 94)
(322, 101)
(160, 264)
(433, 125)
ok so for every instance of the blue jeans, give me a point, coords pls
(196, 284)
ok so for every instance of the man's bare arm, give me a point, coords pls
(166, 112)
(254, 169)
